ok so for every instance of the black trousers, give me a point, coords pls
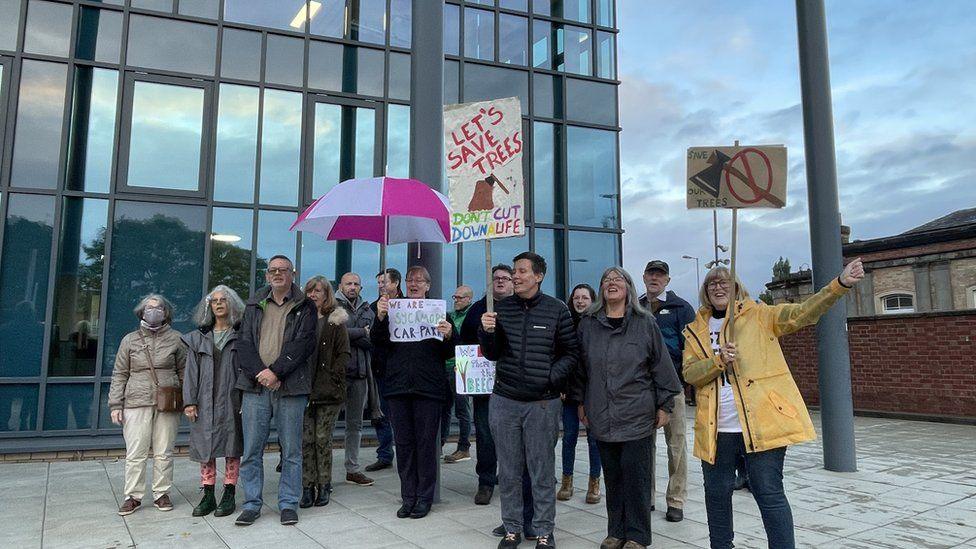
(487, 463)
(627, 474)
(415, 427)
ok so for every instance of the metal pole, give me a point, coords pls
(834, 373)
(715, 232)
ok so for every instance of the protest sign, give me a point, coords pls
(473, 373)
(737, 177)
(416, 319)
(483, 147)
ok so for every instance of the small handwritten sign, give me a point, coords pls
(473, 373)
(416, 319)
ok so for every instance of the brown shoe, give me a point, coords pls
(611, 542)
(358, 479)
(633, 545)
(593, 492)
(163, 503)
(566, 490)
(460, 455)
(129, 506)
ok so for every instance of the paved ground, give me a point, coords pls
(916, 488)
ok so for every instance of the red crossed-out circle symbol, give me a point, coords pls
(745, 158)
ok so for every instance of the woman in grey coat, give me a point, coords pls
(211, 402)
(626, 383)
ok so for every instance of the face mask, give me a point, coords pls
(153, 317)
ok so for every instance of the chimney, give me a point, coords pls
(845, 234)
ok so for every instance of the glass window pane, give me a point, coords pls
(368, 22)
(92, 130)
(503, 250)
(156, 5)
(281, 141)
(400, 22)
(99, 35)
(273, 238)
(549, 244)
(482, 82)
(364, 153)
(543, 7)
(544, 173)
(9, 24)
(452, 29)
(366, 263)
(40, 116)
(170, 266)
(78, 287)
(237, 143)
(479, 34)
(104, 414)
(543, 46)
(604, 12)
(318, 258)
(513, 37)
(230, 249)
(325, 66)
(171, 45)
(575, 48)
(593, 102)
(48, 28)
(398, 141)
(449, 279)
(589, 255)
(200, 8)
(520, 5)
(241, 56)
(575, 10)
(68, 407)
(591, 161)
(166, 138)
(482, 2)
(547, 95)
(399, 76)
(23, 282)
(285, 61)
(280, 14)
(328, 18)
(363, 71)
(605, 62)
(18, 407)
(451, 81)
(326, 150)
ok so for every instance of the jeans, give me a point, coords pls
(766, 483)
(356, 392)
(384, 427)
(525, 436)
(571, 428)
(486, 462)
(415, 426)
(459, 403)
(627, 474)
(257, 410)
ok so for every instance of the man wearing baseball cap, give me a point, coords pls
(672, 314)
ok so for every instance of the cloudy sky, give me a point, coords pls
(700, 73)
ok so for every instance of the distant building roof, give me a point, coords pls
(955, 219)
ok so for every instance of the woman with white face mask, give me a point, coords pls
(145, 400)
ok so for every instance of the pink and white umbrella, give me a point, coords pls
(385, 210)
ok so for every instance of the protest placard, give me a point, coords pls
(416, 319)
(473, 373)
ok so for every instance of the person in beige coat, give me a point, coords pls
(132, 400)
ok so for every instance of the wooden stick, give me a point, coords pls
(489, 296)
(735, 289)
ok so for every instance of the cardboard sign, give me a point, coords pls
(416, 319)
(473, 373)
(483, 147)
(737, 177)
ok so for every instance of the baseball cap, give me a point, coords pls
(657, 265)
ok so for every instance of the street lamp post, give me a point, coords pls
(697, 270)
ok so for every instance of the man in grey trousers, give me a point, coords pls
(531, 338)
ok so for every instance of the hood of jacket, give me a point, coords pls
(338, 316)
(354, 306)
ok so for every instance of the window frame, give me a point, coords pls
(885, 309)
(6, 151)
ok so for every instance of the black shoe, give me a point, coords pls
(247, 518)
(378, 466)
(674, 514)
(510, 541)
(499, 531)
(420, 510)
(483, 497)
(308, 497)
(227, 503)
(546, 542)
(405, 510)
(278, 467)
(652, 507)
(289, 517)
(207, 504)
(323, 496)
(741, 481)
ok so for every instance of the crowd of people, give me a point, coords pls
(614, 360)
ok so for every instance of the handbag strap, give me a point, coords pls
(152, 365)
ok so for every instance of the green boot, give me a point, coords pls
(207, 504)
(227, 502)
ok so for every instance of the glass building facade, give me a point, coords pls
(167, 145)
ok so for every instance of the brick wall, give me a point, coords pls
(923, 363)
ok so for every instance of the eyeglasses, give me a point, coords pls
(614, 280)
(218, 300)
(502, 278)
(154, 308)
(278, 270)
(460, 297)
(716, 284)
(417, 281)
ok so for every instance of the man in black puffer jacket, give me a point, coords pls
(531, 338)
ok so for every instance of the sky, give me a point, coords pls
(697, 73)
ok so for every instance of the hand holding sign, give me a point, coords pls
(382, 307)
(418, 319)
(445, 329)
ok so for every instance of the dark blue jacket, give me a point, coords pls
(675, 313)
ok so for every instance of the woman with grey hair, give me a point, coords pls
(147, 376)
(625, 383)
(210, 401)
